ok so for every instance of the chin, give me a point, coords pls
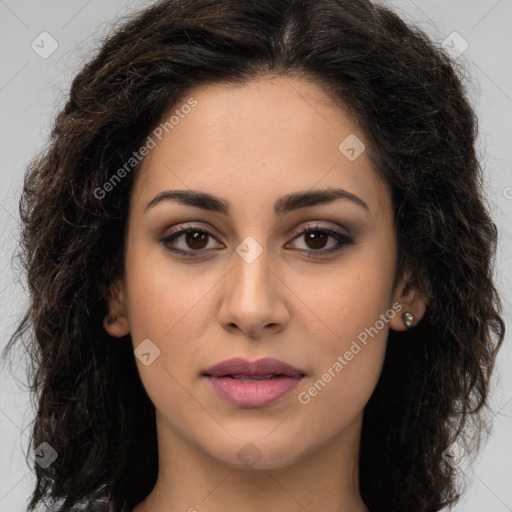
(260, 451)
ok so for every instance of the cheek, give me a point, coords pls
(347, 366)
(163, 296)
(164, 308)
(353, 316)
(170, 304)
(346, 299)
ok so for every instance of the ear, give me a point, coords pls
(410, 293)
(116, 321)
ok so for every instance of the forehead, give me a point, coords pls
(264, 138)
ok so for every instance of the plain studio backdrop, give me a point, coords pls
(34, 80)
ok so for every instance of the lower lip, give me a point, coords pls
(256, 393)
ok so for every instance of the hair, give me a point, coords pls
(406, 95)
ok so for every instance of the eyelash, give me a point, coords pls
(342, 239)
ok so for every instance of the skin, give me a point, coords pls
(250, 145)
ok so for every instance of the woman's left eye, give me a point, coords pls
(197, 239)
(317, 237)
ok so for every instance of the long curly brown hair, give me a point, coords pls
(408, 97)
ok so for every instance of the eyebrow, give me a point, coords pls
(283, 205)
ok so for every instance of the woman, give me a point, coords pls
(260, 267)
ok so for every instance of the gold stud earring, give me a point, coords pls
(408, 319)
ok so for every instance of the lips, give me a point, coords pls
(263, 368)
(253, 384)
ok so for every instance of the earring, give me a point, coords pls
(408, 319)
(112, 319)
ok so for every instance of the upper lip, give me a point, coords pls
(265, 366)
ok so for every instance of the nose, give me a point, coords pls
(254, 297)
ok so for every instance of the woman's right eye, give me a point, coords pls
(193, 237)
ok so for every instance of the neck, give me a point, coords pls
(191, 480)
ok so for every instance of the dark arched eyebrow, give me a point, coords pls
(283, 205)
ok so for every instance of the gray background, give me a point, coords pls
(33, 89)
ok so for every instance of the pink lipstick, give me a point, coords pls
(253, 384)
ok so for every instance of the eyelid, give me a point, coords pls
(318, 225)
(182, 229)
(342, 239)
(182, 226)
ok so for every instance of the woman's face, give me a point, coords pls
(245, 283)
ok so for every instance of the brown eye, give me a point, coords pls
(196, 239)
(316, 239)
(187, 241)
